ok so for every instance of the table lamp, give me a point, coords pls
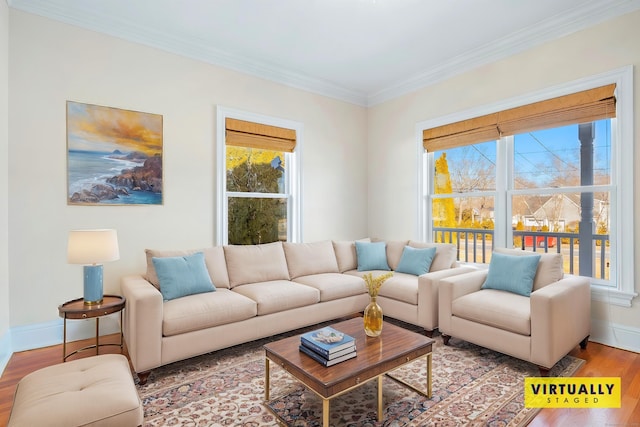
(92, 248)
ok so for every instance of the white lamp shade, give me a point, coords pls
(92, 246)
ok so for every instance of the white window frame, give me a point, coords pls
(293, 190)
(622, 130)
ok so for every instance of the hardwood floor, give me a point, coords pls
(601, 361)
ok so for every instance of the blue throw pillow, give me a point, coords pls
(512, 273)
(183, 275)
(416, 261)
(372, 256)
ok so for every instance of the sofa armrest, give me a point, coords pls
(560, 319)
(142, 322)
(455, 287)
(428, 290)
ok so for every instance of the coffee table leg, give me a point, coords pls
(266, 379)
(325, 412)
(429, 382)
(425, 392)
(379, 398)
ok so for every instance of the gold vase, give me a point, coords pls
(373, 318)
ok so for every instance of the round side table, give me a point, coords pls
(77, 310)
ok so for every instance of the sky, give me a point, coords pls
(105, 129)
(539, 155)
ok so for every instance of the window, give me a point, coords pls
(546, 172)
(562, 189)
(464, 197)
(258, 179)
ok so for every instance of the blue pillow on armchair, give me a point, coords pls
(512, 273)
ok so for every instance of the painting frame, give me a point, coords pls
(114, 156)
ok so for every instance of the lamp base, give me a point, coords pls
(93, 284)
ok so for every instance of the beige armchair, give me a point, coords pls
(541, 328)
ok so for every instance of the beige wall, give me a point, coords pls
(4, 176)
(391, 125)
(51, 63)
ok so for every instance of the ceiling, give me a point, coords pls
(360, 51)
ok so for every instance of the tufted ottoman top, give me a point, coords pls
(94, 391)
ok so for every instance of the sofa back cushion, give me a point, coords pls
(213, 258)
(550, 268)
(304, 259)
(255, 263)
(394, 252)
(346, 254)
(446, 254)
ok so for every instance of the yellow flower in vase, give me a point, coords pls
(374, 284)
(373, 312)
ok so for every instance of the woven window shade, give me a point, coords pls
(581, 107)
(240, 133)
(466, 132)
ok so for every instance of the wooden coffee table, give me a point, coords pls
(376, 357)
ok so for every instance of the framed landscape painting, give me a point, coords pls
(114, 156)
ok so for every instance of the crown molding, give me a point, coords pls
(591, 13)
(185, 45)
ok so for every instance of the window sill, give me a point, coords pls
(612, 296)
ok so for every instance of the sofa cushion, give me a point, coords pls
(255, 263)
(401, 287)
(512, 273)
(202, 311)
(278, 295)
(304, 259)
(213, 257)
(416, 261)
(499, 309)
(550, 268)
(446, 254)
(182, 276)
(372, 256)
(334, 285)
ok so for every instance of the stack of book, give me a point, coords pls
(328, 346)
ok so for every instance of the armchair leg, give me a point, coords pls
(583, 343)
(544, 372)
(428, 333)
(445, 339)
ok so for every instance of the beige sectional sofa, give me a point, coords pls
(262, 290)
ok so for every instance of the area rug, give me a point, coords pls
(472, 386)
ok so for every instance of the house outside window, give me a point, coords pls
(258, 179)
(561, 188)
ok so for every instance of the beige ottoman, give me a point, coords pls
(95, 391)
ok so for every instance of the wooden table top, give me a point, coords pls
(77, 309)
(395, 347)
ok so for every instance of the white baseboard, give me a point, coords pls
(6, 350)
(615, 335)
